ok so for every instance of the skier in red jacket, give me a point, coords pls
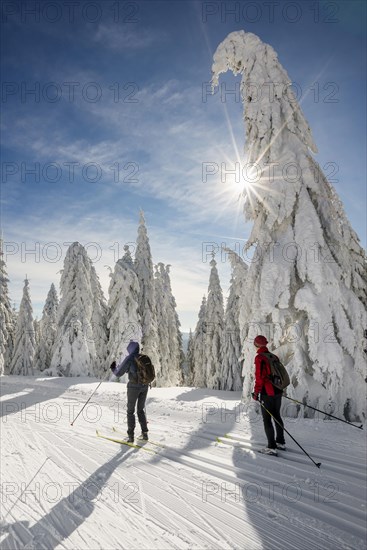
(269, 396)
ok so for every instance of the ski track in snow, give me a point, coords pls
(193, 493)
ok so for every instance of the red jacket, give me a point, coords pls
(262, 371)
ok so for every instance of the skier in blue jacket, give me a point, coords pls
(136, 393)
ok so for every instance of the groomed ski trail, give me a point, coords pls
(193, 493)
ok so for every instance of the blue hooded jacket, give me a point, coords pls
(128, 364)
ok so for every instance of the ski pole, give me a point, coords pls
(318, 464)
(86, 403)
(323, 412)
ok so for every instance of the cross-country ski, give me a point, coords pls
(124, 442)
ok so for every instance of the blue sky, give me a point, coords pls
(159, 130)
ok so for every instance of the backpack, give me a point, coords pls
(145, 369)
(278, 375)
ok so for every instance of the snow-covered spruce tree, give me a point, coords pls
(6, 318)
(14, 314)
(48, 329)
(214, 332)
(147, 311)
(99, 324)
(123, 323)
(199, 349)
(169, 335)
(307, 289)
(37, 332)
(189, 361)
(24, 339)
(230, 378)
(79, 347)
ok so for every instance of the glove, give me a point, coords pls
(255, 396)
(113, 366)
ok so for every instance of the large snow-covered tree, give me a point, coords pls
(79, 348)
(147, 310)
(6, 318)
(169, 335)
(307, 289)
(214, 332)
(24, 338)
(48, 329)
(230, 378)
(199, 348)
(123, 323)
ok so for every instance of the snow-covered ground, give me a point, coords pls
(62, 487)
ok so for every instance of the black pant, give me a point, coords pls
(272, 403)
(136, 393)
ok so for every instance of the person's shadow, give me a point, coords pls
(240, 486)
(66, 516)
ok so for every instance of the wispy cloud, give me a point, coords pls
(168, 134)
(124, 39)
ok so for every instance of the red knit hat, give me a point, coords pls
(260, 341)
